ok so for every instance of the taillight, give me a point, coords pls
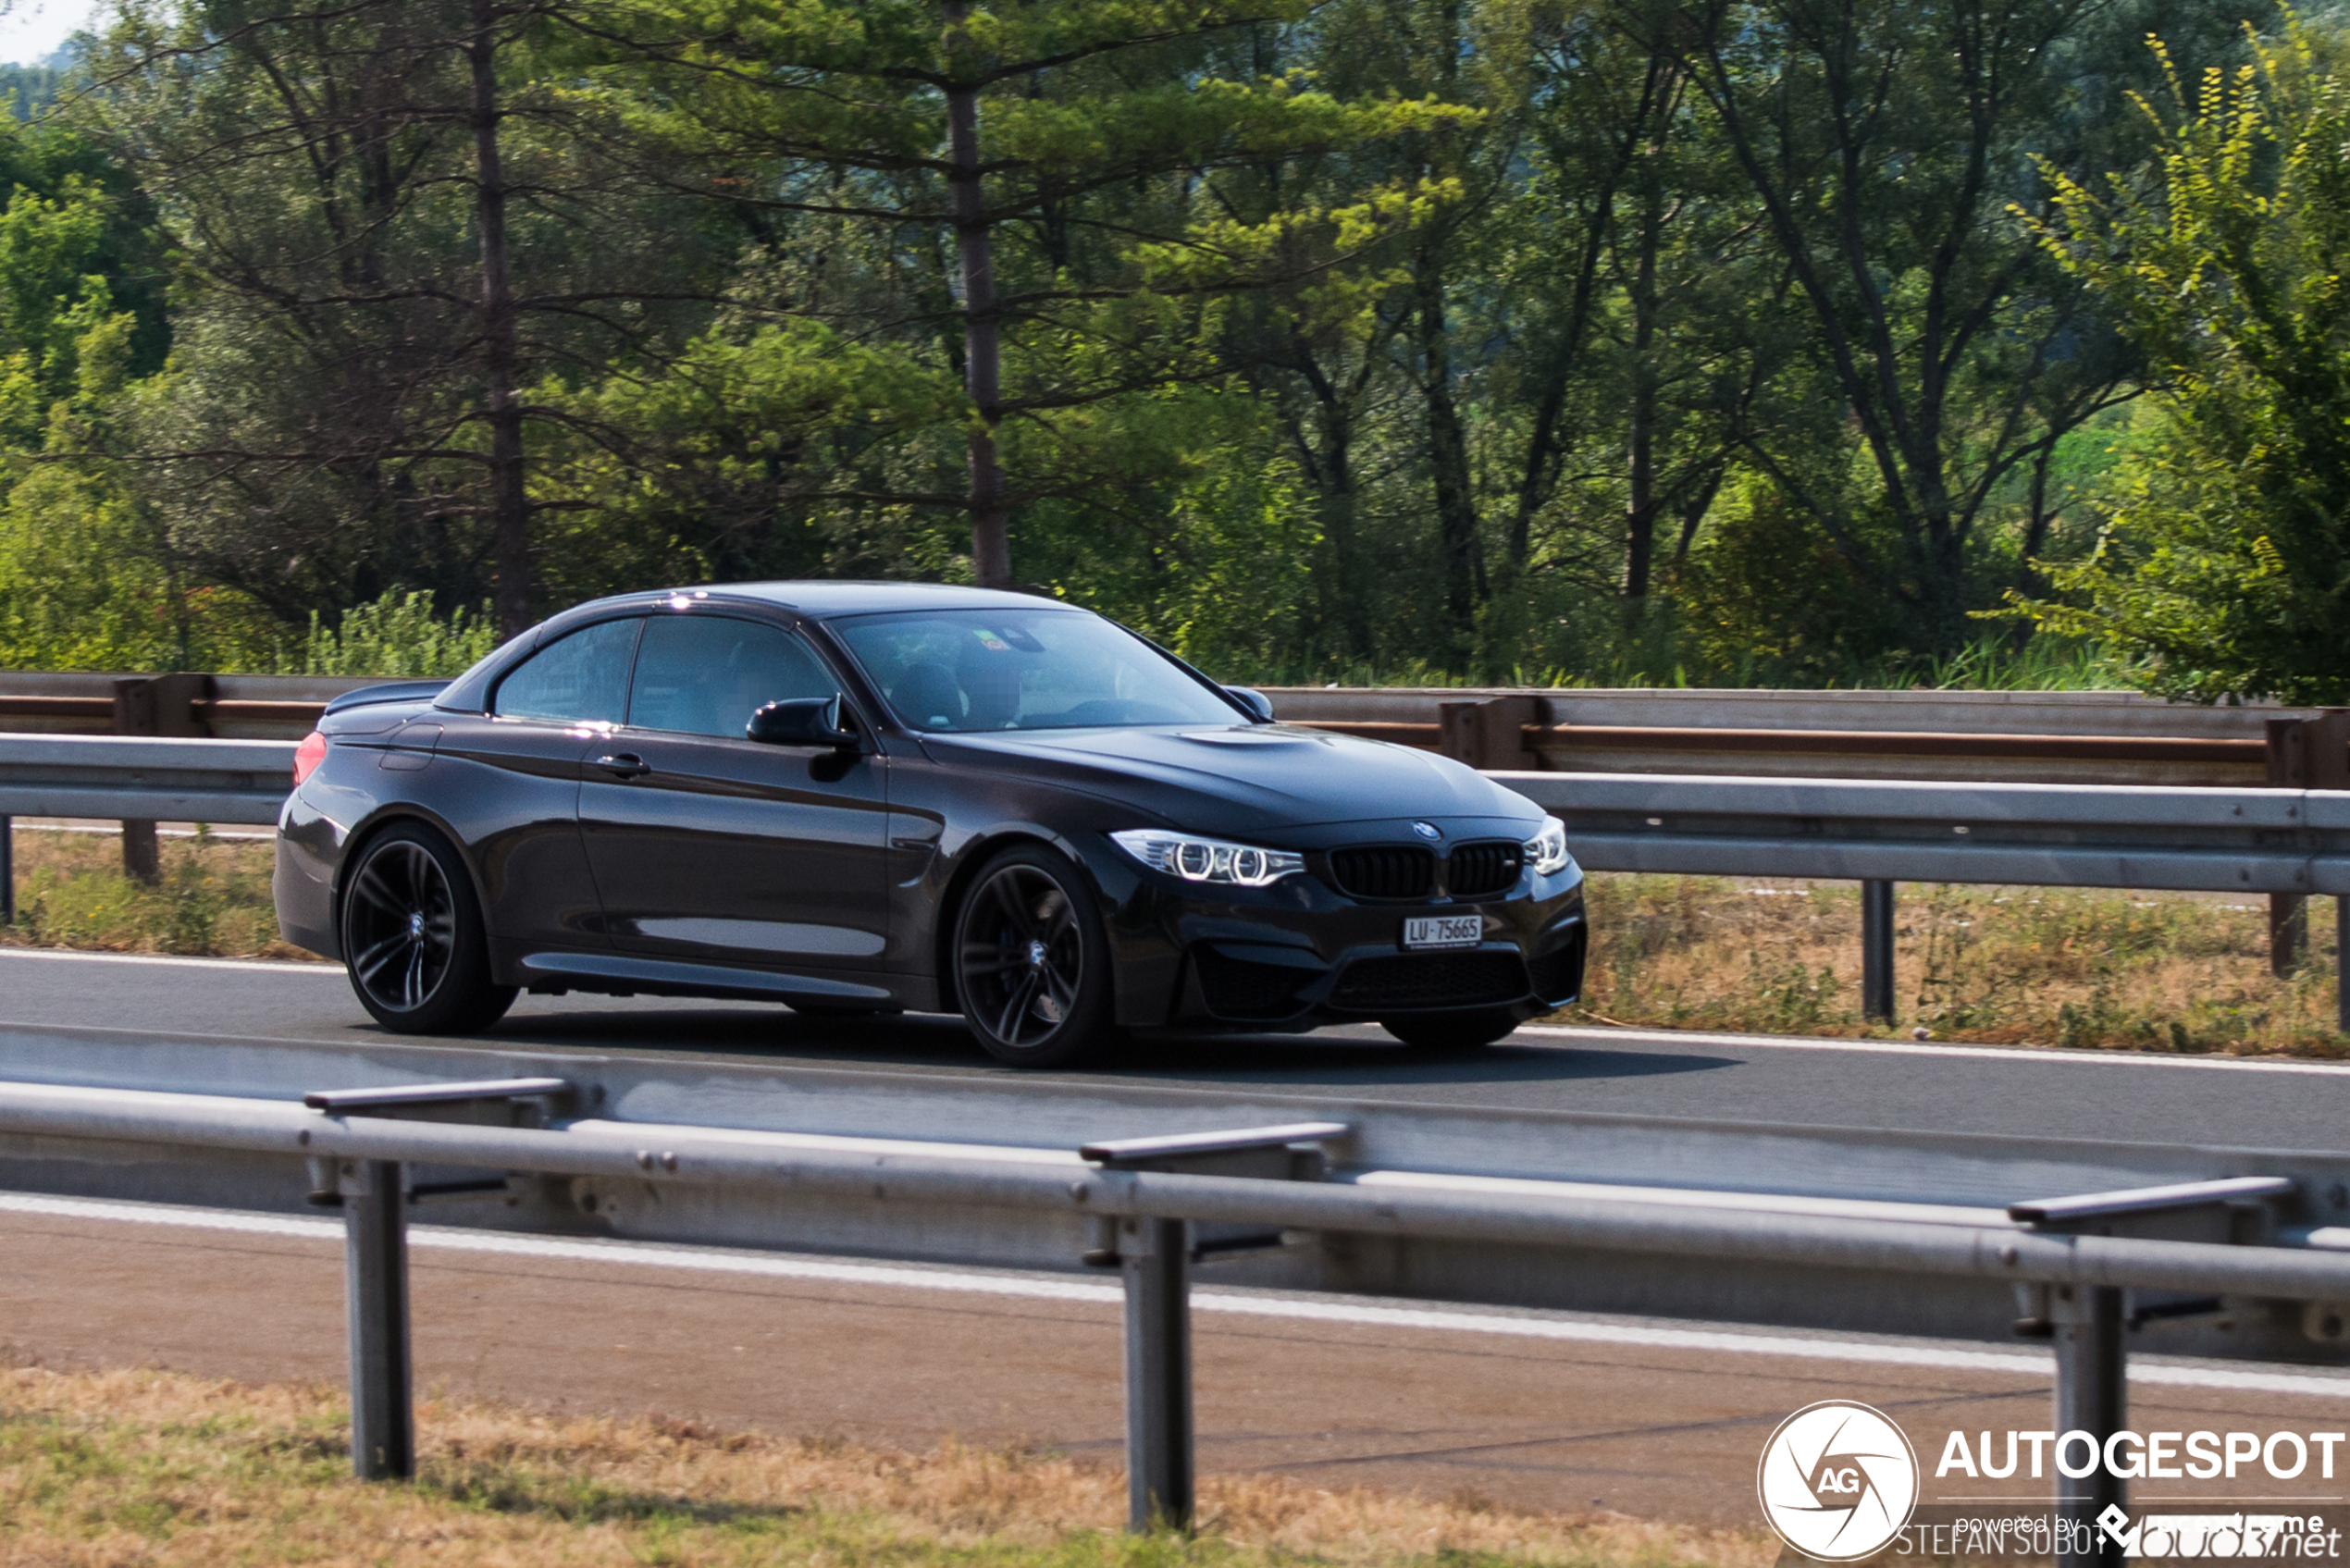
(308, 755)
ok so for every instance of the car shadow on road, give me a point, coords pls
(1353, 1060)
(1330, 1059)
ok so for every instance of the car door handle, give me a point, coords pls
(625, 765)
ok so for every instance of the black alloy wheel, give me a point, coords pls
(1032, 967)
(1462, 1030)
(413, 940)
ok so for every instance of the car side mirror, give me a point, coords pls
(1254, 700)
(803, 721)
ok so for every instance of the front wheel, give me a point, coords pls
(413, 938)
(1032, 961)
(1453, 1032)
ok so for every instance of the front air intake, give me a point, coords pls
(1384, 871)
(1480, 870)
(1407, 981)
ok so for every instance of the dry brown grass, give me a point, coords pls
(212, 897)
(2000, 965)
(150, 1468)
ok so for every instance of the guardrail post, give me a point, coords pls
(8, 872)
(1490, 732)
(2090, 1400)
(159, 705)
(1155, 1256)
(374, 1214)
(2303, 754)
(1876, 951)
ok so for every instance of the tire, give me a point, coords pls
(1032, 961)
(1453, 1032)
(413, 939)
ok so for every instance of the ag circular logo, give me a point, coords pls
(1838, 1480)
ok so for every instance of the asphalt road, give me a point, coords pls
(2113, 1096)
(1657, 1421)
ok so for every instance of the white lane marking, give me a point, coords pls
(1045, 1288)
(173, 960)
(1928, 1051)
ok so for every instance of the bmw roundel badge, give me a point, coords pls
(1427, 830)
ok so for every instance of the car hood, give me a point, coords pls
(1243, 778)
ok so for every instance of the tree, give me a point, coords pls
(83, 582)
(1884, 144)
(2227, 559)
(393, 226)
(1079, 158)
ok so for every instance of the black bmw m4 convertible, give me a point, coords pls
(860, 797)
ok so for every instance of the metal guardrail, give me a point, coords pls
(2083, 835)
(1918, 1173)
(1146, 1199)
(2294, 841)
(2287, 844)
(138, 781)
(159, 780)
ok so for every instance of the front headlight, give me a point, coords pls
(1207, 860)
(1546, 851)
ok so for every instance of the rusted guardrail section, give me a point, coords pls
(1993, 737)
(2010, 737)
(221, 706)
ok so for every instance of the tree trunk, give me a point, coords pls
(509, 496)
(983, 344)
(1640, 508)
(1352, 609)
(1448, 459)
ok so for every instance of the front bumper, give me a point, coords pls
(1300, 953)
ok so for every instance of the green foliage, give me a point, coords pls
(30, 89)
(2225, 564)
(398, 636)
(1213, 559)
(1581, 341)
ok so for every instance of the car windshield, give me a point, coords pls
(967, 670)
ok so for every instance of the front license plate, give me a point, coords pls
(1444, 931)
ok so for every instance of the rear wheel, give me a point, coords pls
(413, 938)
(1032, 961)
(1453, 1032)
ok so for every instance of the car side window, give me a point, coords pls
(706, 675)
(581, 679)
